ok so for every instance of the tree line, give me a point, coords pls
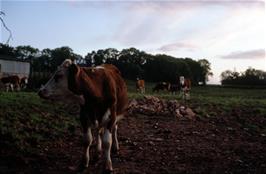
(250, 77)
(131, 62)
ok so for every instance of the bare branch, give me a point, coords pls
(3, 22)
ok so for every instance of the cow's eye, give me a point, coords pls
(57, 77)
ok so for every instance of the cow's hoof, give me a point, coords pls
(107, 171)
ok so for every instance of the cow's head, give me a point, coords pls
(57, 88)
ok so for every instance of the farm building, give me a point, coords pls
(13, 66)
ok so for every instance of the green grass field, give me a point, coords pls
(204, 98)
(26, 120)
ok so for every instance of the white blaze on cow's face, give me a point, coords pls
(57, 86)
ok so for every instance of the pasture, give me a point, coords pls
(228, 135)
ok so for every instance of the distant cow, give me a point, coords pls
(161, 86)
(185, 87)
(140, 86)
(105, 102)
(23, 82)
(11, 82)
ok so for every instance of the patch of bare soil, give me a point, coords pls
(160, 144)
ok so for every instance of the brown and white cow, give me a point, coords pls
(105, 102)
(185, 87)
(23, 82)
(140, 86)
(11, 82)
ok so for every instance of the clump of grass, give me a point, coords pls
(26, 120)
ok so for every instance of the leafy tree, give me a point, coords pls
(58, 55)
(7, 50)
(206, 70)
(43, 62)
(131, 62)
(227, 75)
(89, 58)
(109, 55)
(250, 77)
(195, 70)
(132, 55)
(165, 68)
(26, 52)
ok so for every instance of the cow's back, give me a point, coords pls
(10, 79)
(108, 83)
(121, 89)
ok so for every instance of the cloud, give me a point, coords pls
(183, 5)
(147, 22)
(251, 54)
(177, 46)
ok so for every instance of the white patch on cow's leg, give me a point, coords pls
(99, 141)
(115, 144)
(12, 87)
(107, 143)
(87, 143)
(106, 117)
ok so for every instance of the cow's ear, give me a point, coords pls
(73, 73)
(67, 63)
(73, 69)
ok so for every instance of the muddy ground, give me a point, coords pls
(159, 144)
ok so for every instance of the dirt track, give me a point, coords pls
(156, 144)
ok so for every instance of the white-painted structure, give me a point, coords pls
(11, 66)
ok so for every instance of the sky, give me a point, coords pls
(230, 34)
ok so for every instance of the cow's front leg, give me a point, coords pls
(115, 146)
(107, 143)
(12, 87)
(87, 141)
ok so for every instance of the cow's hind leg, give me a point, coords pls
(87, 139)
(107, 143)
(99, 142)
